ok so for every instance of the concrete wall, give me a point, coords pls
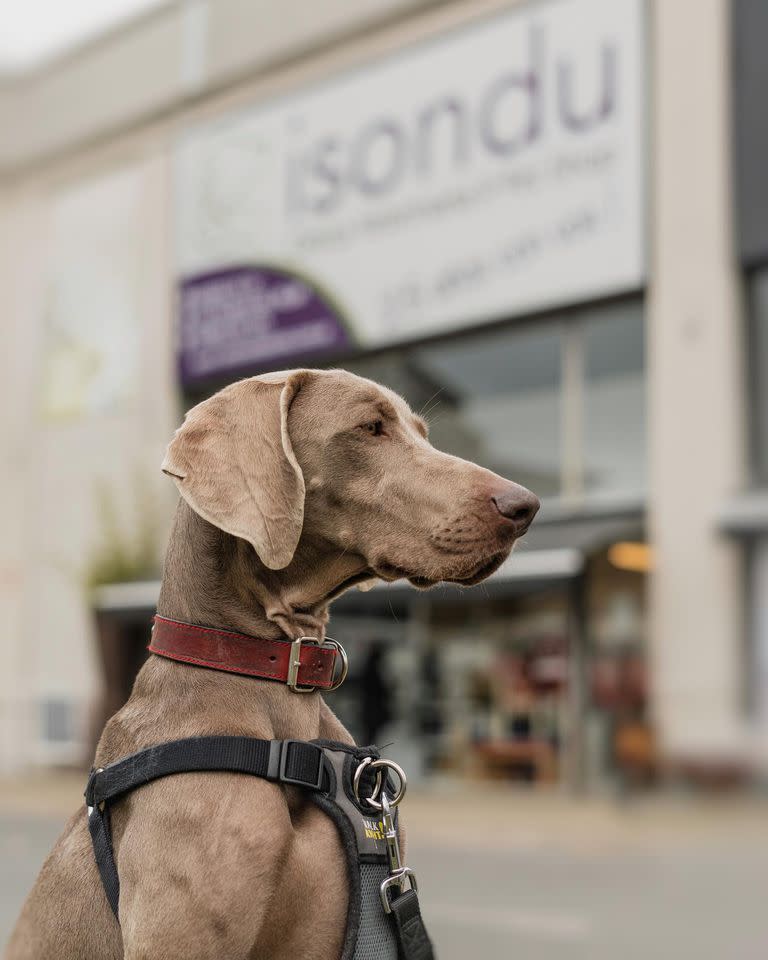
(171, 57)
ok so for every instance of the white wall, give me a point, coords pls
(697, 448)
(20, 224)
(85, 260)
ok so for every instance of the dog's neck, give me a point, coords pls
(214, 579)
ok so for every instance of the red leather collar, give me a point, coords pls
(303, 664)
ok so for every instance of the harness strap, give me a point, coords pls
(293, 762)
(101, 838)
(413, 942)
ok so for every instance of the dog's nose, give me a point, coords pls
(518, 505)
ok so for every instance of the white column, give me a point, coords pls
(21, 231)
(697, 416)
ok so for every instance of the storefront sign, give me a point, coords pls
(491, 171)
(250, 316)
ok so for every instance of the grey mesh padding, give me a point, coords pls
(375, 939)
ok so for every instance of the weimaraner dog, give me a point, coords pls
(294, 487)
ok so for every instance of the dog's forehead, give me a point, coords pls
(348, 390)
(359, 389)
(336, 389)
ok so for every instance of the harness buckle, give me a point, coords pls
(90, 800)
(297, 781)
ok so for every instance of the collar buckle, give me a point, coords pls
(294, 664)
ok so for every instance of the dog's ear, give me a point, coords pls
(233, 463)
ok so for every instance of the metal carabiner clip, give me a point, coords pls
(399, 875)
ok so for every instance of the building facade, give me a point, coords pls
(522, 217)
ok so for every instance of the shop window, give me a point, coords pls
(58, 721)
(614, 402)
(499, 402)
(557, 405)
(493, 398)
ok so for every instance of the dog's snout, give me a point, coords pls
(517, 504)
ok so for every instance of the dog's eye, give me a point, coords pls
(375, 428)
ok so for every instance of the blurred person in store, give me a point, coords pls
(375, 694)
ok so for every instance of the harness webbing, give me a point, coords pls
(293, 762)
(322, 767)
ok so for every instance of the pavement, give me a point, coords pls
(530, 875)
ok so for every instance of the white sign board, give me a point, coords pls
(491, 171)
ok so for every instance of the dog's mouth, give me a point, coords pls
(484, 570)
(488, 566)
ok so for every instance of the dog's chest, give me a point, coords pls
(308, 911)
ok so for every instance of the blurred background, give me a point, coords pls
(545, 223)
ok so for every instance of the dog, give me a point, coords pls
(295, 486)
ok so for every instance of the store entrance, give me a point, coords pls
(464, 684)
(506, 679)
(539, 680)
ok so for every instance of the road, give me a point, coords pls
(506, 876)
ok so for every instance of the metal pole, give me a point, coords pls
(575, 757)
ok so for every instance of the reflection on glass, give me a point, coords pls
(614, 401)
(493, 398)
(498, 398)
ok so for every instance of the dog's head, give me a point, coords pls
(330, 459)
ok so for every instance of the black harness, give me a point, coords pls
(383, 917)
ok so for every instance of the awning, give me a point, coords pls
(116, 597)
(559, 549)
(746, 515)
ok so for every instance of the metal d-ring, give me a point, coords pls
(379, 766)
(366, 762)
(344, 663)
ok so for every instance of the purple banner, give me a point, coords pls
(250, 317)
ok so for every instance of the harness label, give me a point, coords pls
(374, 829)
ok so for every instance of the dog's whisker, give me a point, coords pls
(424, 411)
(392, 610)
